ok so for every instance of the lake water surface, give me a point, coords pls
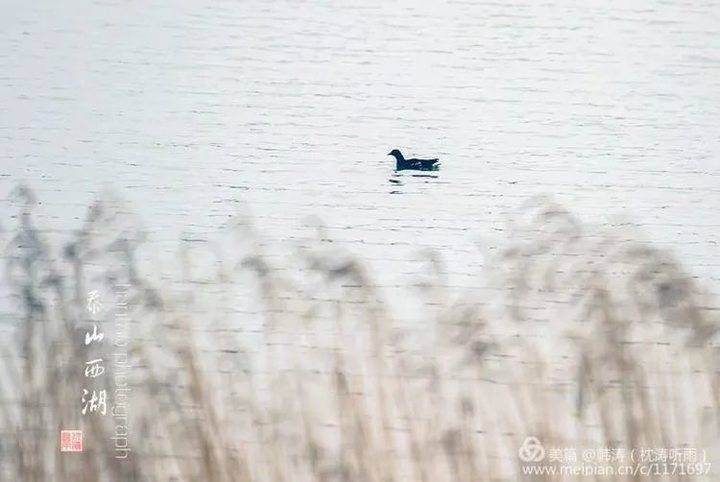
(288, 110)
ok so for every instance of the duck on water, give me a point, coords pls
(402, 164)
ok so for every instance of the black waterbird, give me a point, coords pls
(415, 164)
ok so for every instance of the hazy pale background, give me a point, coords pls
(288, 109)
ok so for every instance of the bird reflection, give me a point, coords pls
(399, 179)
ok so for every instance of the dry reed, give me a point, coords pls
(593, 339)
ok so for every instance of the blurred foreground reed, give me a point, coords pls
(246, 366)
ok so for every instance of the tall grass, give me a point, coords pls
(249, 366)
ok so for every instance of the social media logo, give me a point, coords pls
(531, 450)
